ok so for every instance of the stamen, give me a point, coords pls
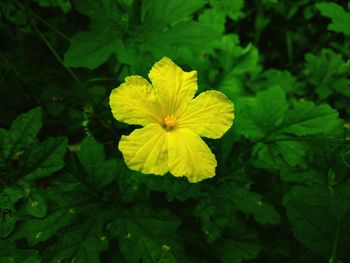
(169, 121)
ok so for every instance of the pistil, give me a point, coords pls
(169, 121)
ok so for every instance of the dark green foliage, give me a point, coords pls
(281, 191)
(327, 73)
(319, 216)
(10, 253)
(340, 17)
(149, 235)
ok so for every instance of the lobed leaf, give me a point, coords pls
(45, 158)
(99, 171)
(39, 230)
(92, 48)
(319, 217)
(307, 119)
(273, 122)
(23, 132)
(9, 253)
(340, 18)
(83, 242)
(327, 73)
(148, 235)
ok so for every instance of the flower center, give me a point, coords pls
(169, 121)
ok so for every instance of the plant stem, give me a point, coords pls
(43, 38)
(58, 32)
(333, 257)
(97, 80)
(304, 139)
(42, 20)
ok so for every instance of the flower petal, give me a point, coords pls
(189, 156)
(174, 87)
(145, 150)
(210, 114)
(134, 102)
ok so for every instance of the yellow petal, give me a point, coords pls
(134, 102)
(145, 150)
(210, 114)
(189, 156)
(174, 87)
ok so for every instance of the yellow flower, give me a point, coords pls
(173, 122)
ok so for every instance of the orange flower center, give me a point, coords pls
(169, 121)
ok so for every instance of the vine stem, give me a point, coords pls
(42, 20)
(50, 26)
(333, 257)
(44, 39)
(97, 80)
(48, 44)
(304, 139)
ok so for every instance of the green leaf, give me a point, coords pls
(8, 211)
(10, 254)
(262, 115)
(21, 153)
(251, 203)
(340, 18)
(45, 158)
(215, 215)
(167, 30)
(245, 60)
(282, 78)
(313, 225)
(231, 8)
(319, 217)
(292, 152)
(23, 131)
(270, 119)
(217, 209)
(38, 230)
(214, 19)
(236, 62)
(64, 5)
(157, 14)
(9, 196)
(35, 205)
(304, 176)
(131, 187)
(266, 2)
(92, 48)
(190, 34)
(105, 15)
(148, 235)
(307, 119)
(100, 172)
(174, 188)
(276, 154)
(229, 51)
(235, 251)
(239, 243)
(7, 222)
(327, 73)
(83, 242)
(267, 156)
(323, 165)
